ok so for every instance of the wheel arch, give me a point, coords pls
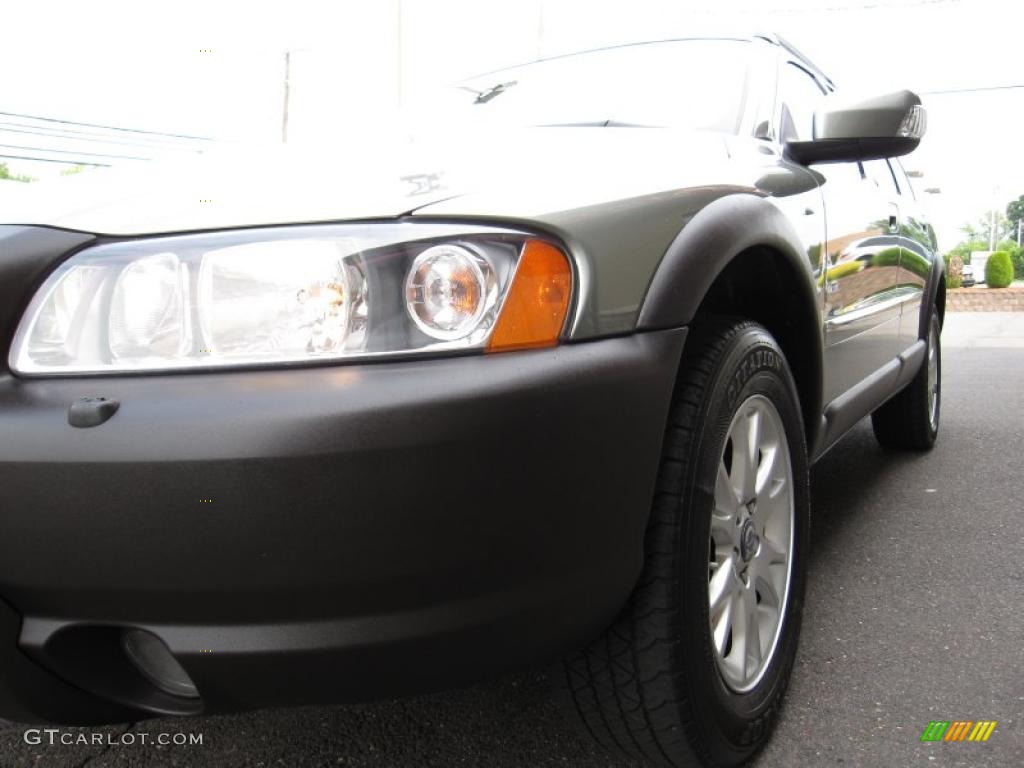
(741, 256)
(935, 295)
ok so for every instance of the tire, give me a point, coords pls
(910, 420)
(653, 688)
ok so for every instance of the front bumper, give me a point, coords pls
(322, 534)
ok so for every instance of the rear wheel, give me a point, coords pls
(910, 420)
(694, 668)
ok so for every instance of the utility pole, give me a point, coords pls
(540, 29)
(993, 216)
(400, 41)
(287, 96)
(1020, 229)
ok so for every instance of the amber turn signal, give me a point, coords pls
(535, 308)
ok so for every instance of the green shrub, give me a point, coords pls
(954, 272)
(1010, 246)
(1016, 256)
(890, 257)
(999, 270)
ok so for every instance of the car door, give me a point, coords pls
(918, 249)
(861, 253)
(862, 300)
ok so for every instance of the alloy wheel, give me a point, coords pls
(751, 543)
(933, 378)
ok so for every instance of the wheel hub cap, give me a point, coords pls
(749, 541)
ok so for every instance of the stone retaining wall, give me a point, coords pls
(979, 299)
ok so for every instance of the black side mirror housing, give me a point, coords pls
(886, 126)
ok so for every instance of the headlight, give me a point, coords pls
(293, 294)
(448, 291)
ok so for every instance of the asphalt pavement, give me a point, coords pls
(915, 612)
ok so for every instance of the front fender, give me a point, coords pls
(705, 246)
(750, 227)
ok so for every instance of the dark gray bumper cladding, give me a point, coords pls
(323, 534)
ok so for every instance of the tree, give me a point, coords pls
(1014, 214)
(972, 232)
(966, 248)
(1016, 256)
(1009, 245)
(982, 230)
(6, 174)
(978, 239)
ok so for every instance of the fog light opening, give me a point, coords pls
(153, 659)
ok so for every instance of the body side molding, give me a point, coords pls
(866, 396)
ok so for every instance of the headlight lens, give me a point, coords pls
(252, 307)
(289, 294)
(449, 290)
(147, 310)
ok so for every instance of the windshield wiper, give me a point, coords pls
(482, 97)
(609, 123)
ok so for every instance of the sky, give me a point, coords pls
(216, 69)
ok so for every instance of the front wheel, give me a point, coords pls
(694, 669)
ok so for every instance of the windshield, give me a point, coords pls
(698, 84)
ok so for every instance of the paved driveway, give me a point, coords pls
(915, 612)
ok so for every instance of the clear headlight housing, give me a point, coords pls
(291, 295)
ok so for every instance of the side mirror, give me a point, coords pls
(887, 126)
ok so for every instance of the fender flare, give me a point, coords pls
(706, 245)
(931, 292)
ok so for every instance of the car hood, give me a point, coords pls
(517, 174)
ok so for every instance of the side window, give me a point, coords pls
(902, 182)
(879, 173)
(799, 97)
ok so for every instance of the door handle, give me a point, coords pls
(894, 219)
